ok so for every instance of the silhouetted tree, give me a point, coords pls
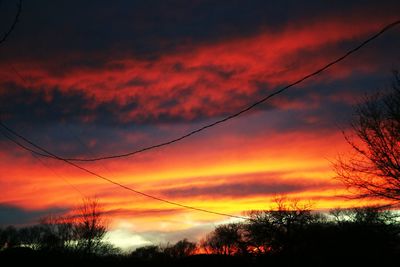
(90, 227)
(368, 215)
(56, 233)
(271, 231)
(31, 236)
(82, 232)
(369, 233)
(2, 238)
(225, 239)
(9, 237)
(107, 249)
(374, 168)
(181, 249)
(147, 252)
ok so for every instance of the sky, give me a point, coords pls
(95, 78)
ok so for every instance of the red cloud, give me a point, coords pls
(204, 80)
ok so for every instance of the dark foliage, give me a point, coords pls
(287, 236)
(81, 233)
(181, 249)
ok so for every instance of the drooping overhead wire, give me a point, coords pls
(249, 107)
(9, 134)
(36, 154)
(43, 163)
(4, 37)
(50, 154)
(44, 152)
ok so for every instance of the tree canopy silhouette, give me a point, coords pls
(90, 226)
(226, 239)
(373, 170)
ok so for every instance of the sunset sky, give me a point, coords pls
(94, 78)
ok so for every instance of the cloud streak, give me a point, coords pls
(237, 190)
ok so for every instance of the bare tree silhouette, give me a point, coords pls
(90, 226)
(373, 171)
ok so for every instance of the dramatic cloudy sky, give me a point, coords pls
(93, 78)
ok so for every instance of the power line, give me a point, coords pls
(5, 127)
(175, 140)
(48, 154)
(69, 160)
(36, 154)
(7, 33)
(59, 176)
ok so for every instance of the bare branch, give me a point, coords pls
(374, 168)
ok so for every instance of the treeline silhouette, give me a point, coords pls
(288, 235)
(81, 233)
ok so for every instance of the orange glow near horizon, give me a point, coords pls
(58, 184)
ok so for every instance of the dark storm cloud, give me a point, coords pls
(12, 215)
